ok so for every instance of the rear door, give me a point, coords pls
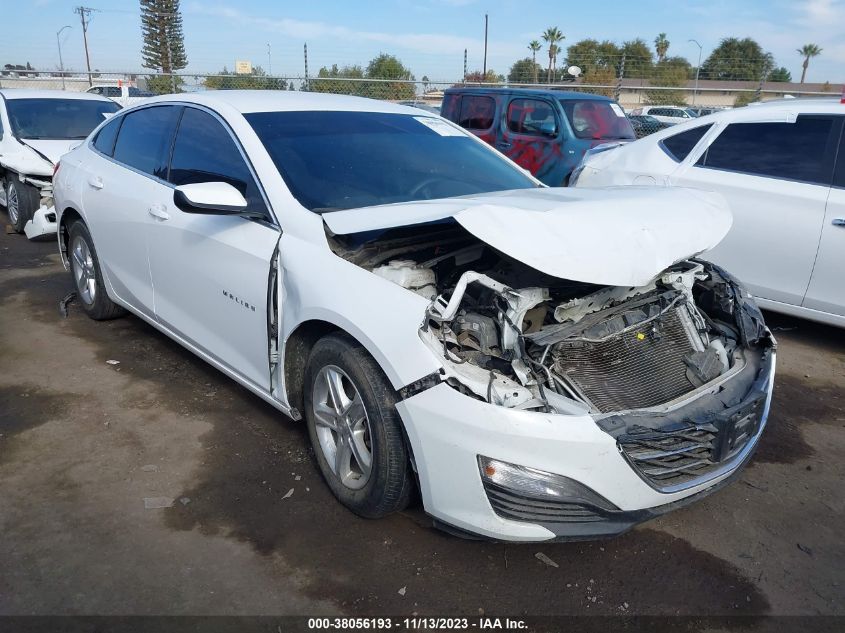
(211, 272)
(123, 180)
(827, 286)
(531, 137)
(477, 114)
(776, 177)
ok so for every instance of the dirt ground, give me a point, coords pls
(84, 441)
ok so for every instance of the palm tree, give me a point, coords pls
(661, 45)
(534, 46)
(552, 36)
(807, 51)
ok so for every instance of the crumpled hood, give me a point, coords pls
(619, 236)
(52, 149)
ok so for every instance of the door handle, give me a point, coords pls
(159, 211)
(838, 222)
(96, 182)
(504, 145)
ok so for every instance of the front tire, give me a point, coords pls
(21, 202)
(350, 410)
(87, 276)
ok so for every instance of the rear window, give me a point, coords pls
(678, 146)
(144, 139)
(477, 112)
(59, 119)
(799, 151)
(598, 120)
(104, 142)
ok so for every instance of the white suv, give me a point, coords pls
(672, 115)
(781, 166)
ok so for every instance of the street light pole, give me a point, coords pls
(61, 63)
(697, 70)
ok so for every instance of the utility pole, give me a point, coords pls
(484, 71)
(307, 87)
(61, 63)
(697, 70)
(618, 91)
(84, 15)
(269, 61)
(465, 65)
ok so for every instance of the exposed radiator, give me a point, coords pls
(638, 368)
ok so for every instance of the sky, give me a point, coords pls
(429, 36)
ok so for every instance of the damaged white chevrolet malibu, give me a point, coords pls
(541, 363)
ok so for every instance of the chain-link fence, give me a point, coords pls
(643, 99)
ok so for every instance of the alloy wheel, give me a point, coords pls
(83, 270)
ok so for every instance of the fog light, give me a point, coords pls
(537, 483)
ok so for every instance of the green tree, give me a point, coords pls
(638, 58)
(477, 77)
(661, 46)
(590, 55)
(744, 98)
(668, 74)
(807, 52)
(552, 36)
(737, 59)
(599, 76)
(327, 81)
(256, 80)
(534, 46)
(524, 71)
(425, 82)
(389, 67)
(780, 74)
(164, 43)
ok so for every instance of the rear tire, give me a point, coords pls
(357, 437)
(87, 276)
(22, 202)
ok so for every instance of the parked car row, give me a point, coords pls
(539, 362)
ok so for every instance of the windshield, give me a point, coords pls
(691, 112)
(343, 160)
(56, 118)
(599, 120)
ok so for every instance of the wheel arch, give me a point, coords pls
(69, 215)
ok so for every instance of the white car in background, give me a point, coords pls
(36, 128)
(781, 166)
(672, 115)
(540, 362)
(121, 94)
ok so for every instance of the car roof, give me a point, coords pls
(25, 93)
(248, 101)
(545, 92)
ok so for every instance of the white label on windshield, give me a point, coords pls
(619, 111)
(439, 126)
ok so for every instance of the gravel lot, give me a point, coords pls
(84, 441)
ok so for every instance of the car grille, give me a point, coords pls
(633, 370)
(686, 456)
(523, 508)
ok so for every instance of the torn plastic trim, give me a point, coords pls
(418, 386)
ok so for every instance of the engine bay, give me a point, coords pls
(516, 337)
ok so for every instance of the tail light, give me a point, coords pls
(56, 168)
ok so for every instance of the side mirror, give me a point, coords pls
(548, 128)
(211, 198)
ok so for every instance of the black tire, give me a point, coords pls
(22, 202)
(389, 484)
(97, 305)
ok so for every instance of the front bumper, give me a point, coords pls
(448, 431)
(43, 222)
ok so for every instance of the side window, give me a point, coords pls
(104, 142)
(96, 90)
(680, 145)
(477, 112)
(205, 152)
(145, 138)
(112, 91)
(532, 117)
(839, 176)
(801, 151)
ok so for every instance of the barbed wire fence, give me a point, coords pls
(630, 92)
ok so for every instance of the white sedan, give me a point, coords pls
(36, 128)
(781, 167)
(540, 363)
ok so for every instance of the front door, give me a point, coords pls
(211, 272)
(531, 138)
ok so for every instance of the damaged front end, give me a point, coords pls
(677, 370)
